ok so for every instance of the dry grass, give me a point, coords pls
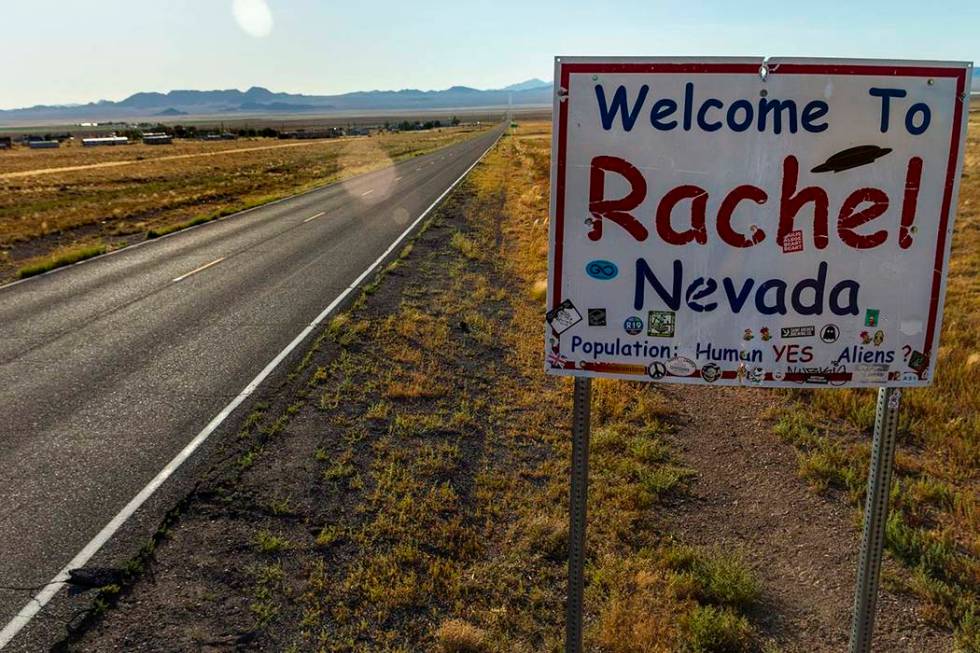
(457, 636)
(165, 188)
(466, 246)
(638, 598)
(455, 518)
(935, 522)
(440, 463)
(422, 506)
(22, 161)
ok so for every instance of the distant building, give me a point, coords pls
(5, 143)
(101, 141)
(303, 134)
(157, 139)
(43, 145)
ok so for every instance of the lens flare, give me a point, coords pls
(400, 216)
(363, 154)
(253, 16)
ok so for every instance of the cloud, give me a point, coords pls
(253, 16)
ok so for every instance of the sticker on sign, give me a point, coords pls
(767, 222)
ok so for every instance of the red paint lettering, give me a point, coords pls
(910, 202)
(615, 210)
(791, 201)
(793, 353)
(699, 203)
(850, 218)
(806, 354)
(725, 230)
(861, 207)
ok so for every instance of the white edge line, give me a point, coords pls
(366, 193)
(29, 611)
(196, 270)
(177, 232)
(314, 217)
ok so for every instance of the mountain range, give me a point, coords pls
(258, 100)
(261, 100)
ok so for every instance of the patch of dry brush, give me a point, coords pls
(457, 538)
(934, 527)
(412, 493)
(164, 188)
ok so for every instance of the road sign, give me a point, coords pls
(746, 222)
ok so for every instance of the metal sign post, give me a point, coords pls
(649, 280)
(581, 416)
(875, 517)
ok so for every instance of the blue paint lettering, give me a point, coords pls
(886, 94)
(645, 274)
(703, 112)
(619, 105)
(733, 123)
(776, 107)
(770, 294)
(921, 108)
(663, 108)
(779, 303)
(813, 111)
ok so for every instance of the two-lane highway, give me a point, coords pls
(108, 369)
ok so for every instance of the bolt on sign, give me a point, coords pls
(746, 221)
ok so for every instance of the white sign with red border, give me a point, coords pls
(776, 222)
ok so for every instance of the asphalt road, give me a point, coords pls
(109, 368)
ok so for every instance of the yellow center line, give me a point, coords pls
(314, 217)
(196, 270)
(367, 192)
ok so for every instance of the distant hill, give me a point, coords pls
(528, 85)
(262, 100)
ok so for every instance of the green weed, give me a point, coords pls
(270, 543)
(717, 630)
(61, 259)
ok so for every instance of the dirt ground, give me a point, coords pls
(56, 202)
(407, 489)
(803, 547)
(138, 153)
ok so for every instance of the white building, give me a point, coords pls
(105, 140)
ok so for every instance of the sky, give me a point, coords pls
(70, 51)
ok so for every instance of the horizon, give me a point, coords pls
(81, 56)
(543, 82)
(974, 90)
(289, 288)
